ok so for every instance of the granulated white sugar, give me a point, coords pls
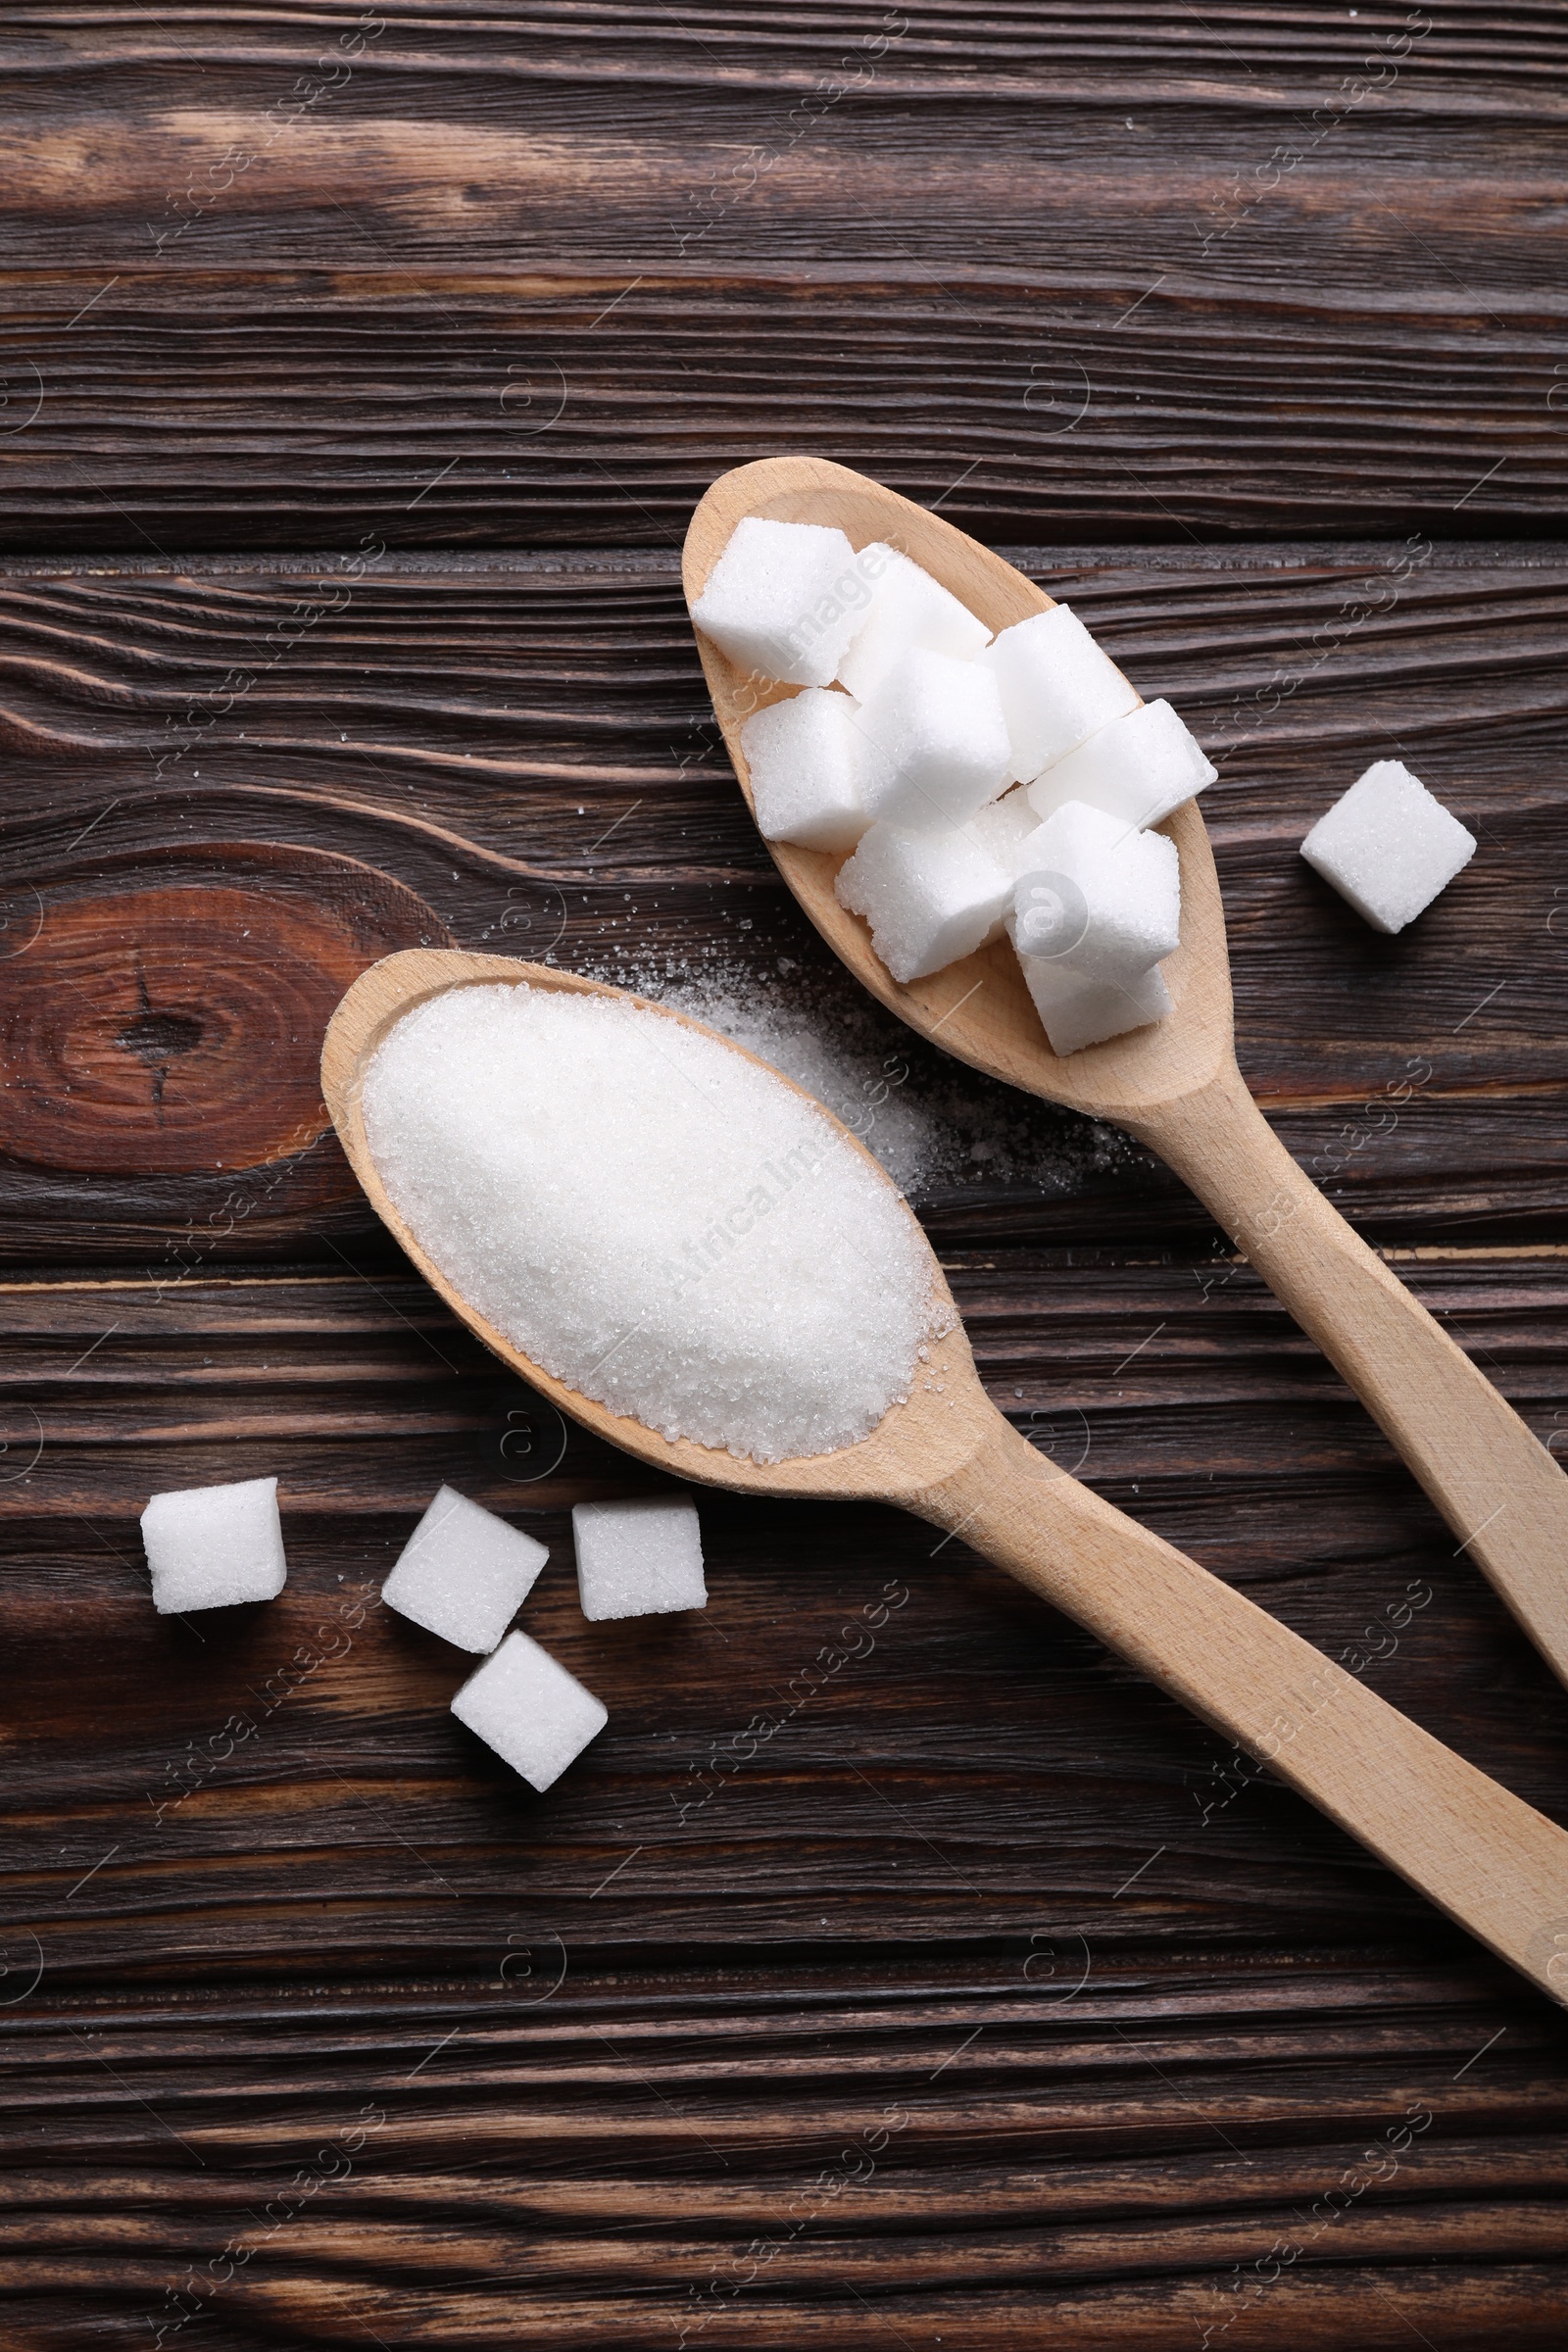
(210, 1547)
(937, 1126)
(464, 1573)
(651, 1217)
(839, 1047)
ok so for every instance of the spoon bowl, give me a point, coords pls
(916, 1441)
(947, 1453)
(978, 1008)
(1174, 1085)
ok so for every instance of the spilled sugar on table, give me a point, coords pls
(360, 378)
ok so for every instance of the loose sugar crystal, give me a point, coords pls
(1388, 846)
(534, 1714)
(464, 1573)
(1056, 688)
(638, 1559)
(936, 743)
(1076, 1012)
(908, 610)
(210, 1546)
(785, 598)
(650, 1217)
(804, 758)
(929, 898)
(1098, 896)
(1140, 768)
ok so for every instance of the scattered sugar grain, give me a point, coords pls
(920, 1111)
(1389, 846)
(464, 1573)
(640, 1558)
(524, 1705)
(651, 1217)
(210, 1547)
(836, 1051)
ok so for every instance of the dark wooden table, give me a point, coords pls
(362, 367)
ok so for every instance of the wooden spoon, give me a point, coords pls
(1175, 1085)
(1483, 1855)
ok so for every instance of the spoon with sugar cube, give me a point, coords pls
(569, 1164)
(1172, 1082)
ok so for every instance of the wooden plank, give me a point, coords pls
(307, 302)
(268, 407)
(1476, 60)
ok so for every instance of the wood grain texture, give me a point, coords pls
(319, 322)
(593, 407)
(1457, 57)
(522, 276)
(171, 1026)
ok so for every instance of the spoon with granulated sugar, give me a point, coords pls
(942, 1450)
(1175, 1085)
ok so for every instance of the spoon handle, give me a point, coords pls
(1502, 1493)
(1480, 1853)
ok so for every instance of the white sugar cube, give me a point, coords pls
(804, 758)
(935, 743)
(464, 1573)
(1077, 1012)
(210, 1546)
(1140, 768)
(784, 599)
(640, 1558)
(531, 1710)
(929, 898)
(1098, 896)
(908, 609)
(1002, 827)
(1388, 846)
(1056, 688)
